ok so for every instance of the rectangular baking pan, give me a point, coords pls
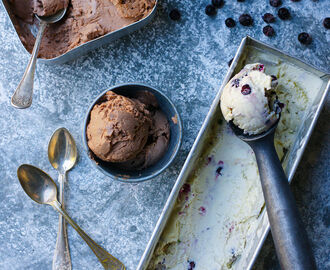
(90, 45)
(292, 160)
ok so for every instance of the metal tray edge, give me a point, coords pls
(190, 158)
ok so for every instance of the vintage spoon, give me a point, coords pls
(290, 238)
(42, 189)
(62, 154)
(22, 97)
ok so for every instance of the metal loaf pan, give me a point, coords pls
(90, 45)
(292, 160)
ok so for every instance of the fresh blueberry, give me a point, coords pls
(268, 31)
(218, 3)
(246, 89)
(305, 38)
(326, 23)
(245, 20)
(210, 10)
(175, 14)
(230, 23)
(275, 3)
(284, 13)
(269, 18)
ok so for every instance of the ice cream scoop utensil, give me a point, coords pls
(42, 189)
(290, 238)
(62, 154)
(22, 97)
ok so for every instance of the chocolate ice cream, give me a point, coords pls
(49, 7)
(131, 132)
(85, 20)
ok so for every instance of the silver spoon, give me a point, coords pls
(22, 97)
(290, 238)
(42, 189)
(62, 154)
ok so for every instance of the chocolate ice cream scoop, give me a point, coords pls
(49, 7)
(118, 128)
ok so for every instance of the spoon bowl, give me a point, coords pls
(37, 184)
(53, 18)
(62, 150)
(249, 138)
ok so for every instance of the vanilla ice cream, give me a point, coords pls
(247, 99)
(219, 211)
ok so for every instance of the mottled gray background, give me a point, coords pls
(187, 60)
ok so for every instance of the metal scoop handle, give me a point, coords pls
(22, 97)
(107, 260)
(289, 235)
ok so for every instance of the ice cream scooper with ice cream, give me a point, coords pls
(250, 105)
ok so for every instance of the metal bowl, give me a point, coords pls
(168, 108)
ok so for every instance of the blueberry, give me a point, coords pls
(175, 14)
(284, 13)
(230, 61)
(268, 31)
(245, 20)
(295, 0)
(240, 0)
(235, 83)
(230, 23)
(326, 23)
(191, 265)
(275, 3)
(218, 3)
(210, 10)
(269, 18)
(305, 38)
(246, 89)
(218, 171)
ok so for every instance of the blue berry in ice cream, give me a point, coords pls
(191, 265)
(246, 89)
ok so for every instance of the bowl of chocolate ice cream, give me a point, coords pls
(132, 132)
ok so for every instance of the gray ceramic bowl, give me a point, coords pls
(168, 108)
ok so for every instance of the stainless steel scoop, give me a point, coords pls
(290, 238)
(22, 97)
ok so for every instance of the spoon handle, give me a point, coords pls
(107, 260)
(22, 97)
(61, 259)
(290, 238)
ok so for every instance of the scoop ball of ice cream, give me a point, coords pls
(118, 128)
(247, 100)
